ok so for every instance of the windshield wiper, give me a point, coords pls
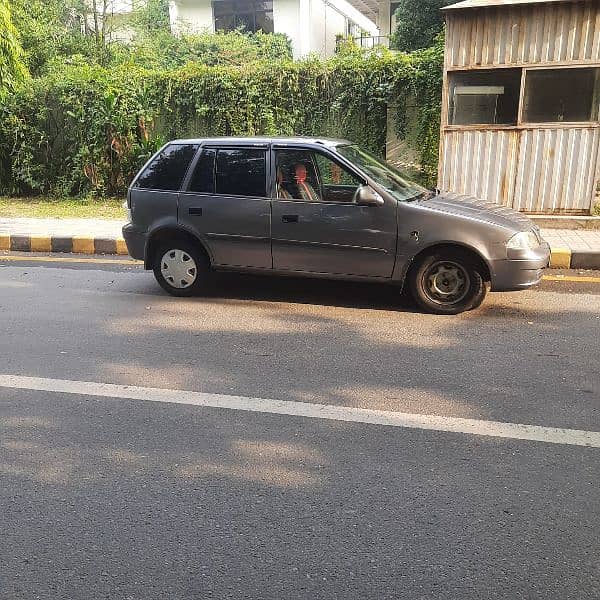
(424, 195)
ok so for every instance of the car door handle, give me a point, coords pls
(289, 218)
(195, 210)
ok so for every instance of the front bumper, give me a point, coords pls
(135, 241)
(513, 274)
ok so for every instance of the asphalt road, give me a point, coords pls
(114, 498)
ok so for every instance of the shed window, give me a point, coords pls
(556, 95)
(484, 97)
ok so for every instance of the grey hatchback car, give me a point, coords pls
(321, 208)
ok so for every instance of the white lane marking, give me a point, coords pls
(552, 435)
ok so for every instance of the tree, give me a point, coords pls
(12, 68)
(152, 17)
(50, 31)
(55, 32)
(418, 23)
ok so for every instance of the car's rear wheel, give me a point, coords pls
(182, 269)
(448, 282)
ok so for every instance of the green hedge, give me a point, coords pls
(87, 130)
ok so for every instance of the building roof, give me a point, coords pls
(369, 8)
(486, 3)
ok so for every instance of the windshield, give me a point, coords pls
(383, 173)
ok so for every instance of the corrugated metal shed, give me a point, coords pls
(550, 170)
(484, 3)
(533, 34)
(534, 167)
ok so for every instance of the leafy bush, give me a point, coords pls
(86, 129)
(162, 50)
(50, 32)
(12, 68)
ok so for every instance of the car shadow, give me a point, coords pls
(305, 290)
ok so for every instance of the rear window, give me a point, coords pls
(167, 170)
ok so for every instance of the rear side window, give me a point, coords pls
(241, 172)
(167, 170)
(203, 179)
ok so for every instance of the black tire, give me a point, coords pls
(197, 261)
(448, 282)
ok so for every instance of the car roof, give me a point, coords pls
(249, 141)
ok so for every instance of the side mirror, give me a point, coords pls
(367, 196)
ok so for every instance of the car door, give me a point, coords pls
(318, 227)
(227, 204)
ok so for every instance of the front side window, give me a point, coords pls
(556, 95)
(167, 170)
(484, 97)
(250, 15)
(241, 172)
(313, 177)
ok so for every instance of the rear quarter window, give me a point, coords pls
(167, 170)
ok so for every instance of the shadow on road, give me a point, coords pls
(116, 499)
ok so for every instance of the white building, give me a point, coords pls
(311, 25)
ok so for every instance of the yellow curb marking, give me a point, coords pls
(571, 278)
(41, 243)
(122, 247)
(4, 242)
(560, 258)
(83, 245)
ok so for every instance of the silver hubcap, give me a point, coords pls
(446, 282)
(178, 269)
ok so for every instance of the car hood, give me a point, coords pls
(480, 210)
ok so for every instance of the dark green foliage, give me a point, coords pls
(50, 31)
(12, 68)
(162, 50)
(152, 18)
(419, 22)
(88, 129)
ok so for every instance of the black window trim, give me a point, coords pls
(324, 151)
(185, 188)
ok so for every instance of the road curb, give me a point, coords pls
(74, 244)
(560, 258)
(586, 260)
(565, 258)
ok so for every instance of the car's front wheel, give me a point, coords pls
(181, 269)
(448, 283)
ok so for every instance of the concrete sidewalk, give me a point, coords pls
(577, 249)
(574, 249)
(97, 228)
(81, 236)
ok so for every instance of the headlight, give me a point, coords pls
(525, 240)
